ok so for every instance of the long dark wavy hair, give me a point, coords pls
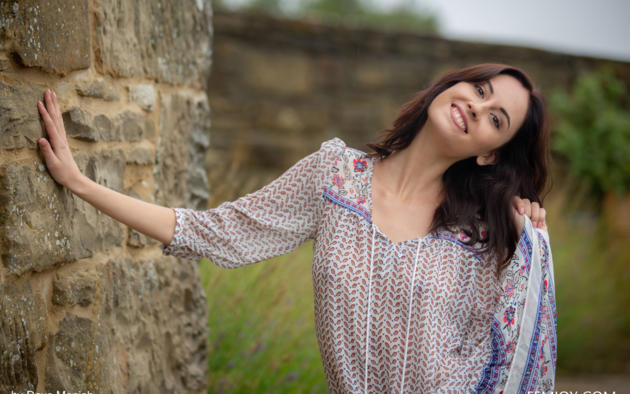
(481, 196)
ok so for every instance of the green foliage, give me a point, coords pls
(591, 276)
(593, 131)
(403, 16)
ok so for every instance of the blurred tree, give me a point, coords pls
(592, 131)
(270, 6)
(406, 16)
(336, 8)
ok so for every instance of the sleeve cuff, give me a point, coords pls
(176, 241)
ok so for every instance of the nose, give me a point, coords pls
(473, 110)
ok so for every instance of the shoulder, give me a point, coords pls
(338, 157)
(337, 149)
(333, 144)
(347, 177)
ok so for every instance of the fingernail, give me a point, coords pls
(521, 210)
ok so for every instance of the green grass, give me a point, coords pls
(262, 333)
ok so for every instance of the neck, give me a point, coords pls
(415, 173)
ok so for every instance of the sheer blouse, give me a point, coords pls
(423, 315)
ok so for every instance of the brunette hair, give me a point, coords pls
(481, 196)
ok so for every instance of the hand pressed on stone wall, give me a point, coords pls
(149, 219)
(56, 151)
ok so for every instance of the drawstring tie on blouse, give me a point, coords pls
(367, 337)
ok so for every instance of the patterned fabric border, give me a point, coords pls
(525, 245)
(491, 372)
(347, 203)
(551, 315)
(534, 345)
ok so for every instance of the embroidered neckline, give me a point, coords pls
(351, 187)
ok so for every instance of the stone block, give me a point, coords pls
(23, 319)
(170, 41)
(20, 124)
(81, 124)
(179, 173)
(141, 155)
(76, 289)
(132, 126)
(52, 35)
(36, 218)
(74, 361)
(97, 89)
(126, 126)
(144, 95)
(45, 225)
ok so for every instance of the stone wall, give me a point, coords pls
(281, 87)
(87, 304)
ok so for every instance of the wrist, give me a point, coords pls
(79, 184)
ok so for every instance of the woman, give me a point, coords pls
(427, 276)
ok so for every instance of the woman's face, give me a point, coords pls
(474, 119)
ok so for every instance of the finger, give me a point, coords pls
(50, 107)
(543, 218)
(527, 207)
(49, 103)
(49, 155)
(535, 214)
(49, 125)
(60, 126)
(516, 203)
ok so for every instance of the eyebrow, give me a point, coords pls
(501, 108)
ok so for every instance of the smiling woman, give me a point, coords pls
(483, 130)
(425, 276)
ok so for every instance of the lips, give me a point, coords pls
(459, 118)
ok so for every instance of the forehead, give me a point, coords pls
(511, 95)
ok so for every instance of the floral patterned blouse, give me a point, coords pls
(423, 315)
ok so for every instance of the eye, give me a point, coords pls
(480, 90)
(495, 120)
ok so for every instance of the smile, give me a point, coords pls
(459, 118)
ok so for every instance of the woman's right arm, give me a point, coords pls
(150, 219)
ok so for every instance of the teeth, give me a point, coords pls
(459, 119)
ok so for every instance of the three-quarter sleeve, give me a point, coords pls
(524, 331)
(269, 222)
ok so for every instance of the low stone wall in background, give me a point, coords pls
(279, 87)
(87, 304)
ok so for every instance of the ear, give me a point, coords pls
(487, 159)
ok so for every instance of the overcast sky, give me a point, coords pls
(598, 28)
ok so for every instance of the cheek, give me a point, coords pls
(490, 138)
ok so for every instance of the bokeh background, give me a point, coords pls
(288, 75)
